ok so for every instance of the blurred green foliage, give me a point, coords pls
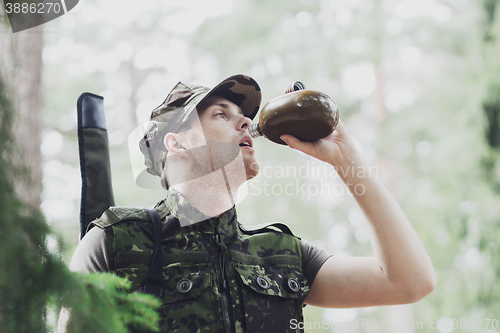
(35, 281)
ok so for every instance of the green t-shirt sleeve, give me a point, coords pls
(91, 255)
(312, 260)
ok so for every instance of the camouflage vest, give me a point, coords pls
(218, 276)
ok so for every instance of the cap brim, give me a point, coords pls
(240, 89)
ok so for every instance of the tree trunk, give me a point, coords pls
(21, 68)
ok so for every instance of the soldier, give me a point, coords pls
(217, 275)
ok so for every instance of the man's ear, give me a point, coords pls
(173, 144)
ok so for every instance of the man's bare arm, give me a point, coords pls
(401, 272)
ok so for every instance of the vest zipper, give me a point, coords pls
(220, 270)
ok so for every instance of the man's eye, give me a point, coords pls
(221, 115)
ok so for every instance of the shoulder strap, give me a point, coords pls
(268, 227)
(115, 215)
(154, 282)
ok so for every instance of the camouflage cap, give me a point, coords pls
(240, 89)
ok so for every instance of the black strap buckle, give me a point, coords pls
(152, 290)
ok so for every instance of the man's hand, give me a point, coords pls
(337, 149)
(401, 272)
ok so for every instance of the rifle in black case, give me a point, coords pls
(97, 189)
(95, 166)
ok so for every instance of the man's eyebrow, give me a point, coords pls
(227, 106)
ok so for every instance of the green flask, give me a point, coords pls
(308, 115)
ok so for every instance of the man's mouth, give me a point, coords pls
(246, 142)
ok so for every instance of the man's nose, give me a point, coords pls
(244, 123)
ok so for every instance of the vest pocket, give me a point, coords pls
(180, 282)
(272, 296)
(187, 301)
(184, 282)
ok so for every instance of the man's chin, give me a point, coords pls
(251, 168)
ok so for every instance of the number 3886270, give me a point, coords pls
(33, 8)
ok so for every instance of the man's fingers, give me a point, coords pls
(291, 141)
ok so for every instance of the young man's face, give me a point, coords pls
(220, 120)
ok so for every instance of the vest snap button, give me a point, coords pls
(184, 285)
(294, 285)
(263, 283)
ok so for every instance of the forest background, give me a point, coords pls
(417, 84)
